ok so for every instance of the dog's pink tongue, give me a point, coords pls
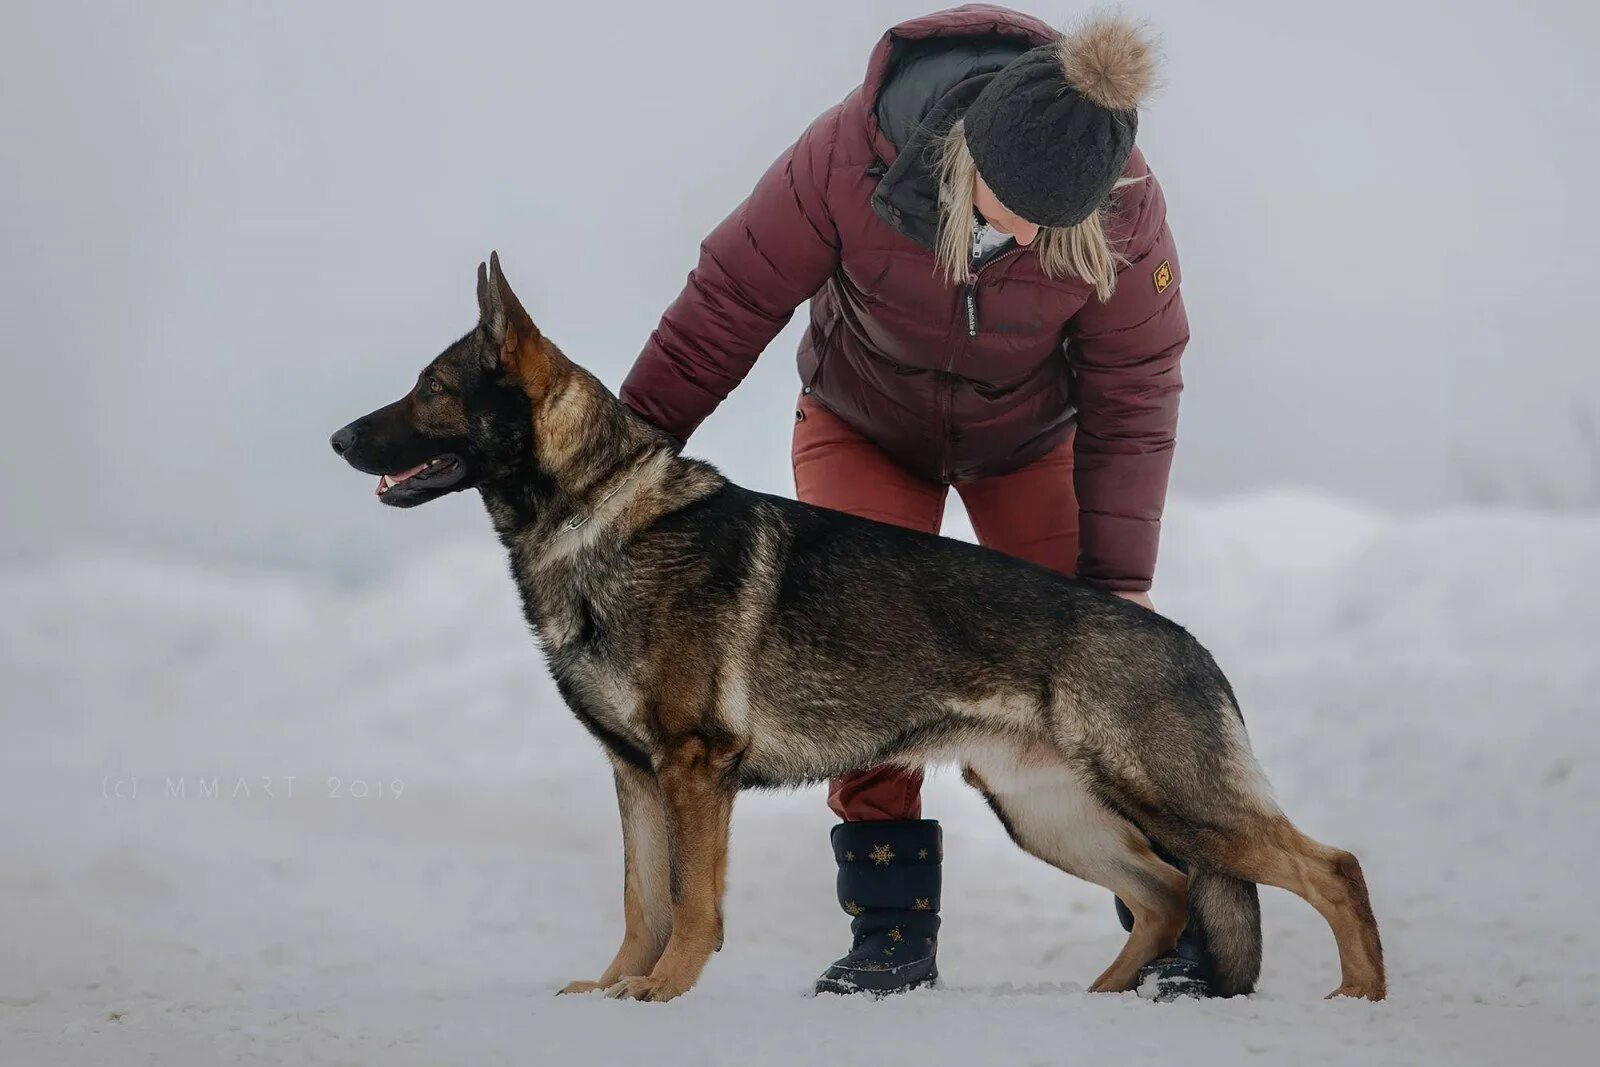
(387, 480)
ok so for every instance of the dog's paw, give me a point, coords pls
(580, 986)
(1359, 989)
(644, 987)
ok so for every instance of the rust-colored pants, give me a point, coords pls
(1031, 512)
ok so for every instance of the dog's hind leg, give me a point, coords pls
(1231, 824)
(646, 897)
(1156, 894)
(697, 784)
(1273, 852)
(1049, 813)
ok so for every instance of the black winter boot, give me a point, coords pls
(889, 884)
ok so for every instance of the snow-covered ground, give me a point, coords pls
(411, 844)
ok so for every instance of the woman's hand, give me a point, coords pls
(1142, 599)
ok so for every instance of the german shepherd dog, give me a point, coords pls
(715, 639)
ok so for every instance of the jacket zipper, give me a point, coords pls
(972, 289)
(971, 306)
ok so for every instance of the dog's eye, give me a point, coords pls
(434, 386)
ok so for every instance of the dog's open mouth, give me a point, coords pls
(440, 472)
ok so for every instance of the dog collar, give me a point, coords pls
(578, 520)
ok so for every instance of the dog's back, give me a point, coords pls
(847, 634)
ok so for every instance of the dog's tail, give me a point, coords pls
(1229, 911)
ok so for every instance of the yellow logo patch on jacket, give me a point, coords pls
(1163, 276)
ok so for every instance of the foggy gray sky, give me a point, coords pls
(225, 229)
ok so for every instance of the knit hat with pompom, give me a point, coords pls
(1052, 131)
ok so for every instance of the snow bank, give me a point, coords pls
(203, 857)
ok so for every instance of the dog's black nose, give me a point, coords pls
(342, 440)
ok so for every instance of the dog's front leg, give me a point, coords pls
(696, 783)
(646, 896)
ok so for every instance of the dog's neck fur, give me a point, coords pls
(596, 474)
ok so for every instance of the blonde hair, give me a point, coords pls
(1081, 251)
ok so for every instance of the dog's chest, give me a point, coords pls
(606, 701)
(565, 600)
(591, 650)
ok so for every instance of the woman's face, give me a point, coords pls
(1000, 217)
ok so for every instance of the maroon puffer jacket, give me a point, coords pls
(846, 219)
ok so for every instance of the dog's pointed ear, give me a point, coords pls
(524, 353)
(518, 324)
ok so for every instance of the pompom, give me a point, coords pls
(1109, 60)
